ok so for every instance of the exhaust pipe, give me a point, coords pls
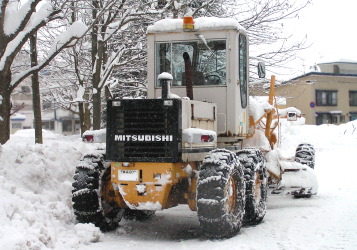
(165, 81)
(188, 75)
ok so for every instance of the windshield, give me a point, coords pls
(203, 63)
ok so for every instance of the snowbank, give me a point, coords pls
(35, 193)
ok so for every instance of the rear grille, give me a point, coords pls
(144, 130)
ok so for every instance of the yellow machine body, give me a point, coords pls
(154, 186)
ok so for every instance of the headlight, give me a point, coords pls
(168, 102)
(116, 103)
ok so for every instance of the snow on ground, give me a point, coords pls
(36, 210)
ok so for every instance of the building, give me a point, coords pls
(54, 119)
(326, 96)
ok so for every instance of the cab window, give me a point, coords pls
(203, 62)
(243, 70)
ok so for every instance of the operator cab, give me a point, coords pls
(211, 54)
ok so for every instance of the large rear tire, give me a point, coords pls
(305, 154)
(255, 174)
(220, 195)
(88, 203)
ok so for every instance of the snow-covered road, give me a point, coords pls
(325, 221)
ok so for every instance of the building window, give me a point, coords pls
(329, 118)
(353, 98)
(16, 125)
(48, 125)
(353, 116)
(336, 69)
(326, 97)
(47, 105)
(67, 125)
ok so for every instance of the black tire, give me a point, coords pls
(301, 194)
(256, 185)
(305, 154)
(220, 194)
(139, 215)
(88, 204)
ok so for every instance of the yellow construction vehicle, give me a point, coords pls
(184, 143)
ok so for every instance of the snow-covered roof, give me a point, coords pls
(339, 60)
(18, 117)
(201, 24)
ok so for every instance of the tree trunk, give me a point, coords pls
(97, 109)
(36, 98)
(81, 117)
(97, 104)
(5, 109)
(84, 117)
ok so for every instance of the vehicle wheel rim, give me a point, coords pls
(257, 191)
(232, 194)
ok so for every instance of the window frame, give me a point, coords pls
(330, 100)
(353, 102)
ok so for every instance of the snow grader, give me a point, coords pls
(186, 142)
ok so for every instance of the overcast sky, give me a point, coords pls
(331, 27)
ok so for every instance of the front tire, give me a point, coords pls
(305, 154)
(220, 195)
(255, 174)
(88, 203)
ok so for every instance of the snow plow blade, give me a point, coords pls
(298, 180)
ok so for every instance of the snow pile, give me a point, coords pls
(258, 140)
(30, 134)
(257, 109)
(349, 129)
(35, 194)
(306, 177)
(259, 105)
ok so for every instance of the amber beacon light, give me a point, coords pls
(188, 23)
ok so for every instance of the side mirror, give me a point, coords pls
(292, 116)
(261, 70)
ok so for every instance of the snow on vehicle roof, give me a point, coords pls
(201, 23)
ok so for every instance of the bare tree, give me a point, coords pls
(17, 24)
(264, 21)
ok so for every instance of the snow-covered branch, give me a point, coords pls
(66, 39)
